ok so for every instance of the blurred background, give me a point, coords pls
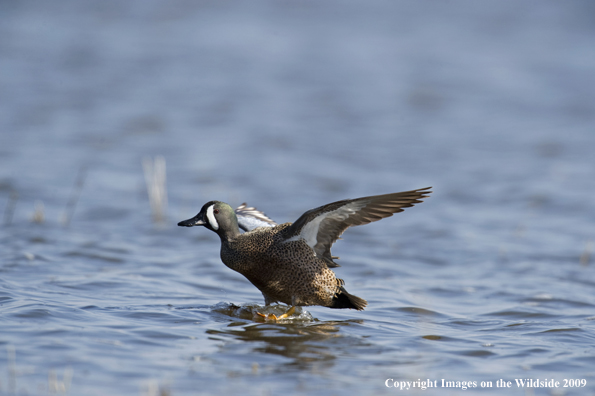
(289, 105)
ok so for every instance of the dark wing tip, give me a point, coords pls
(424, 193)
(385, 205)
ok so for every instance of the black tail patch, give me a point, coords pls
(345, 300)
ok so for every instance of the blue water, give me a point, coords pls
(288, 106)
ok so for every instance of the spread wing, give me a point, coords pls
(321, 227)
(250, 218)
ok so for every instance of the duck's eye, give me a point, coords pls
(216, 211)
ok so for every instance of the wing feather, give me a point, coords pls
(322, 226)
(250, 218)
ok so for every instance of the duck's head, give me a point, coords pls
(217, 216)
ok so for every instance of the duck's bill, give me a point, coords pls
(195, 221)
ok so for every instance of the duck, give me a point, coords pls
(292, 263)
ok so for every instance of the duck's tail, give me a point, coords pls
(345, 300)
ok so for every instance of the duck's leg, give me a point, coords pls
(273, 317)
(267, 302)
(288, 313)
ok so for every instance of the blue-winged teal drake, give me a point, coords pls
(291, 262)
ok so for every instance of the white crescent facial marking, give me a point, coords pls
(211, 218)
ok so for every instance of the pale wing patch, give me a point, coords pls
(250, 218)
(250, 211)
(250, 223)
(310, 231)
(211, 218)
